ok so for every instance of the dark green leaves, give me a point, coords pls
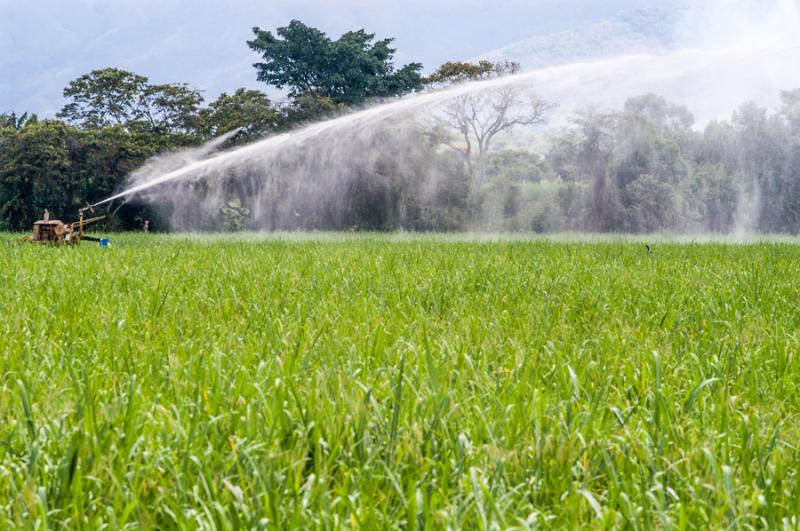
(112, 96)
(347, 71)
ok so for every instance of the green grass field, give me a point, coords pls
(395, 382)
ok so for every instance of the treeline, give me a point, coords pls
(643, 168)
(115, 120)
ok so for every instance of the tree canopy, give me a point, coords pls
(349, 70)
(112, 96)
(459, 71)
(248, 110)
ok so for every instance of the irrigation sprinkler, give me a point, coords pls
(55, 232)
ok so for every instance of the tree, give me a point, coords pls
(14, 121)
(791, 108)
(34, 174)
(632, 166)
(104, 97)
(101, 160)
(171, 109)
(51, 165)
(459, 72)
(656, 110)
(763, 142)
(593, 152)
(651, 205)
(308, 108)
(248, 110)
(347, 71)
(111, 96)
(479, 117)
(516, 166)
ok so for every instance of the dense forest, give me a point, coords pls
(642, 168)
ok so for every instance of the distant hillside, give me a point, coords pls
(641, 31)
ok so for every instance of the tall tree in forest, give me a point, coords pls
(346, 71)
(112, 96)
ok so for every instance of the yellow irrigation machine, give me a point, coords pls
(55, 232)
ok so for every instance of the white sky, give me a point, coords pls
(46, 43)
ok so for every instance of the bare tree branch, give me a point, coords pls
(478, 118)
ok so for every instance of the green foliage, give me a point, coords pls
(104, 97)
(470, 124)
(347, 71)
(645, 169)
(112, 96)
(248, 110)
(309, 108)
(234, 216)
(452, 73)
(517, 165)
(49, 165)
(376, 383)
(171, 109)
(118, 122)
(33, 172)
(12, 121)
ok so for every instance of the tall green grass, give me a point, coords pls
(384, 382)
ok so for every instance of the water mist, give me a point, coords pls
(740, 51)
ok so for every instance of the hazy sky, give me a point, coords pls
(46, 43)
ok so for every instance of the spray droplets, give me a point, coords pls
(307, 173)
